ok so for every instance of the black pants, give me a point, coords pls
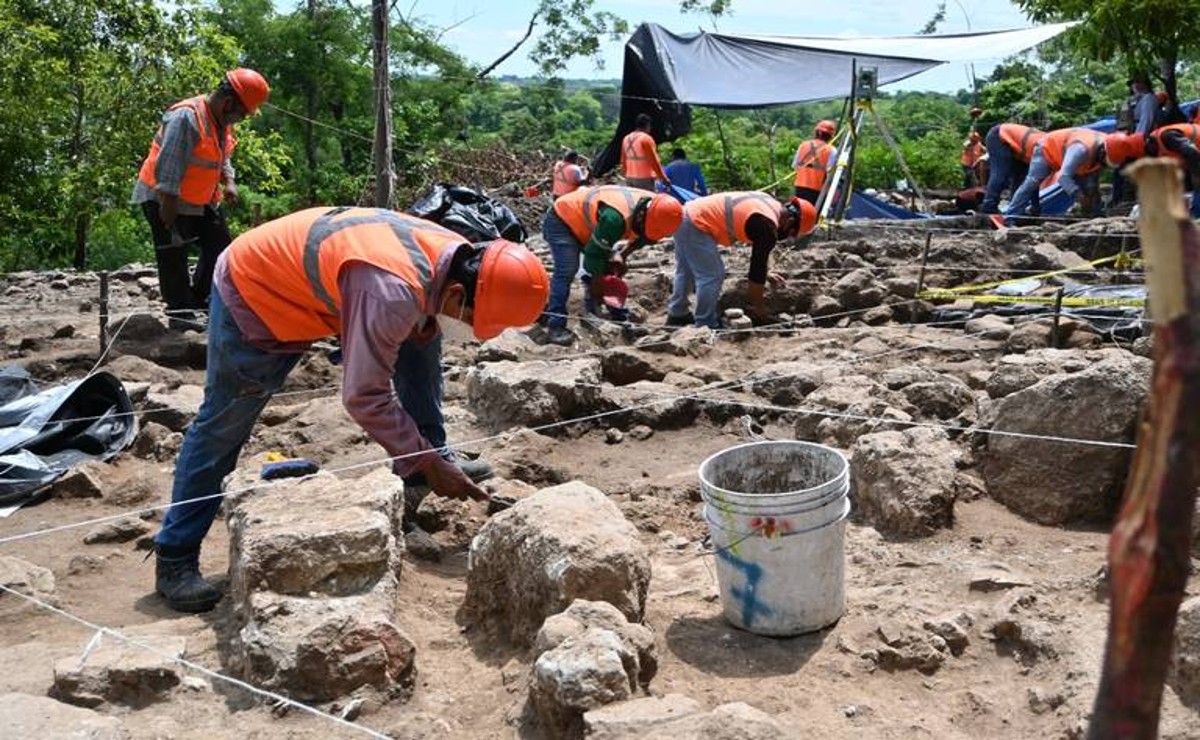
(807, 194)
(209, 233)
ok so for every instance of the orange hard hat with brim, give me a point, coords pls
(663, 216)
(829, 128)
(251, 87)
(511, 290)
(1121, 148)
(805, 214)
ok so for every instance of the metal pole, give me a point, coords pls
(103, 313)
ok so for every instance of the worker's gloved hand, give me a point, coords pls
(447, 479)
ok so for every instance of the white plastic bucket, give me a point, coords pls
(776, 513)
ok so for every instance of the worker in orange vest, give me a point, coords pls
(380, 280)
(181, 186)
(1180, 141)
(811, 162)
(568, 174)
(720, 220)
(972, 150)
(1009, 150)
(639, 156)
(589, 223)
(1078, 155)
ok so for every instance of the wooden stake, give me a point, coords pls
(924, 259)
(1054, 340)
(1149, 547)
(103, 313)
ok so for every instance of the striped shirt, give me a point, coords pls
(180, 137)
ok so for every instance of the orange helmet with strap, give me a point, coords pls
(805, 214)
(663, 216)
(251, 87)
(511, 290)
(1121, 148)
(825, 128)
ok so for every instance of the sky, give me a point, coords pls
(482, 30)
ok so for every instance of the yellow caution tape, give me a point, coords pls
(1040, 276)
(1041, 299)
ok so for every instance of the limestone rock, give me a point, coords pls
(989, 327)
(1057, 482)
(28, 716)
(173, 409)
(1184, 676)
(323, 535)
(943, 398)
(121, 673)
(656, 405)
(82, 481)
(858, 289)
(138, 369)
(26, 578)
(953, 629)
(675, 717)
(525, 456)
(846, 397)
(786, 383)
(322, 649)
(156, 442)
(563, 543)
(1029, 335)
(584, 672)
(121, 530)
(898, 378)
(533, 393)
(903, 648)
(148, 337)
(510, 345)
(903, 482)
(622, 366)
(687, 341)
(583, 615)
(1017, 372)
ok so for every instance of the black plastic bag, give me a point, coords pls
(470, 213)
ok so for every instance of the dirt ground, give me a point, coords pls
(1039, 683)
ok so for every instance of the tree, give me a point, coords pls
(1144, 34)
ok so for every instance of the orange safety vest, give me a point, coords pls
(1021, 139)
(724, 216)
(202, 176)
(1189, 130)
(287, 270)
(971, 153)
(562, 183)
(812, 164)
(638, 155)
(580, 209)
(1056, 143)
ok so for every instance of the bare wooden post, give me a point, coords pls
(924, 259)
(385, 176)
(1149, 549)
(103, 313)
(1054, 339)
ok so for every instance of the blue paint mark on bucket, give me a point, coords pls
(752, 608)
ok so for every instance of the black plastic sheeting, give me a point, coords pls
(1125, 323)
(665, 73)
(43, 434)
(470, 213)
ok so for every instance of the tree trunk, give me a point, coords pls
(1149, 550)
(82, 218)
(310, 110)
(385, 176)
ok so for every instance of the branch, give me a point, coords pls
(442, 32)
(509, 53)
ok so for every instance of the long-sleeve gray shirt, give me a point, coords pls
(379, 313)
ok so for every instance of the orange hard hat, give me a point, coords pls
(829, 128)
(511, 289)
(663, 216)
(251, 87)
(1121, 148)
(805, 214)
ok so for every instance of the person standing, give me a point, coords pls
(972, 150)
(377, 278)
(568, 174)
(812, 162)
(720, 220)
(588, 223)
(639, 156)
(1009, 151)
(685, 173)
(181, 186)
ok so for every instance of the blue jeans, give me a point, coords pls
(239, 381)
(566, 251)
(698, 265)
(1028, 195)
(1005, 171)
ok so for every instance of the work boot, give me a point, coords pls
(177, 579)
(685, 320)
(560, 335)
(476, 470)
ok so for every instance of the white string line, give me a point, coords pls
(492, 438)
(223, 678)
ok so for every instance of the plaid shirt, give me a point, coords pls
(180, 136)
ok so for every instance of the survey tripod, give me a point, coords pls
(835, 193)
